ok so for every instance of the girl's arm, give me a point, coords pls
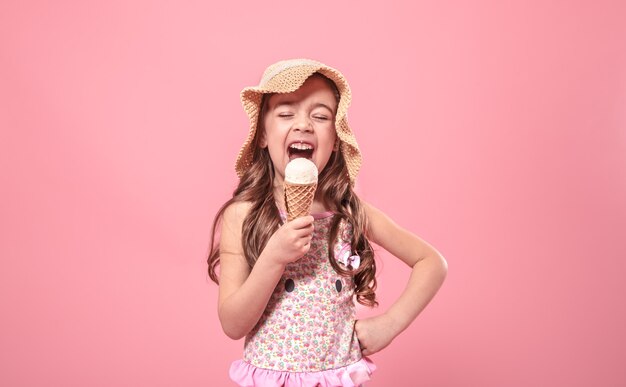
(429, 270)
(244, 292)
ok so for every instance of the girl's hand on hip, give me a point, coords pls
(375, 333)
(291, 241)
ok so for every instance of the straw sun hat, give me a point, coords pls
(285, 77)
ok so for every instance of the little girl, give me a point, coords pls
(289, 287)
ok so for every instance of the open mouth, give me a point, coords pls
(300, 149)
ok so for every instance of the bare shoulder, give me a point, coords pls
(232, 221)
(380, 226)
(399, 241)
(236, 212)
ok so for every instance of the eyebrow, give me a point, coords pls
(291, 103)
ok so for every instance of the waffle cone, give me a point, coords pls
(298, 199)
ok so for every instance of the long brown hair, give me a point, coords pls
(334, 188)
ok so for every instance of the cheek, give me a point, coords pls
(328, 138)
(271, 132)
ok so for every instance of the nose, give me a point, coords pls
(303, 124)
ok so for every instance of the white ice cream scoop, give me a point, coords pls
(301, 171)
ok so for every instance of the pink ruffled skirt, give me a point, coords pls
(353, 375)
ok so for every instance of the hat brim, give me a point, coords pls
(287, 77)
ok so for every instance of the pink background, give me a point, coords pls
(495, 130)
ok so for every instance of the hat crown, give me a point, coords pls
(283, 65)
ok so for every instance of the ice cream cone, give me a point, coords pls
(298, 199)
(300, 185)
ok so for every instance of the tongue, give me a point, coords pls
(295, 153)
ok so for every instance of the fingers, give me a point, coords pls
(303, 226)
(362, 339)
(298, 235)
(365, 351)
(359, 335)
(306, 243)
(302, 222)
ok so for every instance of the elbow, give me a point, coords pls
(231, 328)
(436, 265)
(443, 267)
(233, 333)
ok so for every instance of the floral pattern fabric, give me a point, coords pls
(308, 324)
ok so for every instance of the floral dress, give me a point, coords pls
(306, 336)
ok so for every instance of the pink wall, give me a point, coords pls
(120, 122)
